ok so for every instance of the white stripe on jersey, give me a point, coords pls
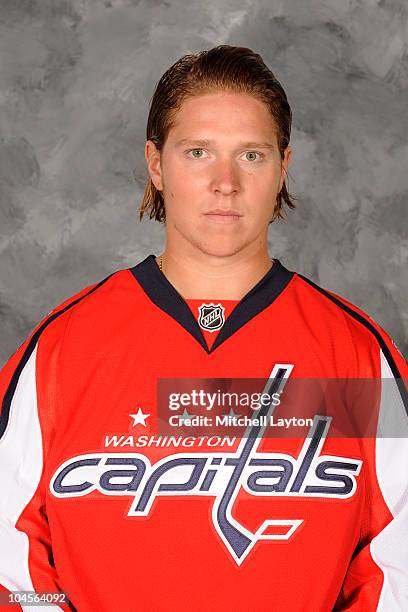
(389, 548)
(21, 458)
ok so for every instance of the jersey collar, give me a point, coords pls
(159, 289)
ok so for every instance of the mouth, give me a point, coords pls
(223, 216)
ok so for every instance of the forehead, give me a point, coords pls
(222, 114)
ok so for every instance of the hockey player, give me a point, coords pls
(97, 503)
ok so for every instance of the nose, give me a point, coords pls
(226, 177)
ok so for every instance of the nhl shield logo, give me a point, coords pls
(211, 316)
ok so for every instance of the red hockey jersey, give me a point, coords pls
(98, 504)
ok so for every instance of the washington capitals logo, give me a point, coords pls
(211, 316)
(221, 476)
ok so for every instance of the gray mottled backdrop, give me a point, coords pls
(76, 77)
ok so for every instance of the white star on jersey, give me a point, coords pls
(139, 418)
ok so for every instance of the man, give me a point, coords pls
(99, 502)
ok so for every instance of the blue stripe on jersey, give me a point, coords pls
(358, 317)
(8, 396)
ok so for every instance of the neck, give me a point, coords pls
(214, 277)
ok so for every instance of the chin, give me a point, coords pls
(218, 249)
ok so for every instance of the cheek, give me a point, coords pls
(179, 197)
(179, 180)
(263, 196)
(183, 193)
(263, 189)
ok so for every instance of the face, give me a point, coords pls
(220, 171)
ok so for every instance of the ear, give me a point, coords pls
(152, 156)
(284, 165)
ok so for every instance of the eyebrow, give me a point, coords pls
(206, 143)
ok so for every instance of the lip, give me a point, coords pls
(223, 218)
(224, 212)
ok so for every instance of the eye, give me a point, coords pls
(253, 153)
(195, 151)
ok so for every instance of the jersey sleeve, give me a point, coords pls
(377, 577)
(26, 425)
